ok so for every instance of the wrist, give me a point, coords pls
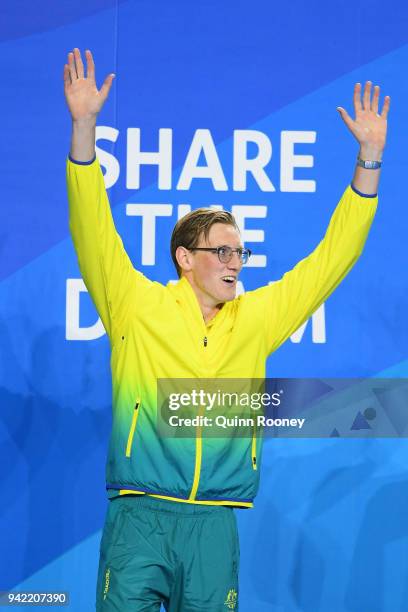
(84, 123)
(370, 153)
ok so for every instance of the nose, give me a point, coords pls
(235, 263)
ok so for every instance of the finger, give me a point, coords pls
(106, 86)
(376, 96)
(72, 69)
(367, 95)
(67, 77)
(386, 107)
(78, 63)
(346, 117)
(357, 98)
(90, 65)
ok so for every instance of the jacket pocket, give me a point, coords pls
(132, 428)
(253, 450)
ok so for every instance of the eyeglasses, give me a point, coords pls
(225, 253)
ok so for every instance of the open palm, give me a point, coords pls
(81, 93)
(369, 126)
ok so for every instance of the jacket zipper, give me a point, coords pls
(198, 452)
(253, 450)
(198, 460)
(132, 428)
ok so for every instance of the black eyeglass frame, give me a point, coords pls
(240, 252)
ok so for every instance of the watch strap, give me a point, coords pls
(368, 164)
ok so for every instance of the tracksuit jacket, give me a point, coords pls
(158, 332)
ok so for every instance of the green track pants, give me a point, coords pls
(155, 551)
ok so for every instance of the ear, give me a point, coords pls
(184, 258)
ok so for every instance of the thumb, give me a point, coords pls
(345, 116)
(107, 84)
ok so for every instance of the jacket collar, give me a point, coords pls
(185, 295)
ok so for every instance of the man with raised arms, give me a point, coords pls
(170, 533)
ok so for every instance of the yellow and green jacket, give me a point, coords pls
(158, 331)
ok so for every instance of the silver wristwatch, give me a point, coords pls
(368, 164)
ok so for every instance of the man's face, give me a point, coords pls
(215, 282)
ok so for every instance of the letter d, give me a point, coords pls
(73, 331)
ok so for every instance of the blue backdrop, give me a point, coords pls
(329, 529)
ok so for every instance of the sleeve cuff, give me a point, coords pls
(363, 195)
(82, 163)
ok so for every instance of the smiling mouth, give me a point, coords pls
(230, 280)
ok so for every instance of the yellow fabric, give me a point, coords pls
(158, 331)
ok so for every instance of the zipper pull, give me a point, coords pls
(205, 341)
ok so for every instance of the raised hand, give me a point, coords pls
(369, 126)
(82, 96)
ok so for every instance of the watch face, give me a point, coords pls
(369, 164)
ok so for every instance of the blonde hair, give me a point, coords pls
(189, 229)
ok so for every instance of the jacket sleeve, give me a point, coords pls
(107, 271)
(290, 301)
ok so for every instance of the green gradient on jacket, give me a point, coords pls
(158, 331)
